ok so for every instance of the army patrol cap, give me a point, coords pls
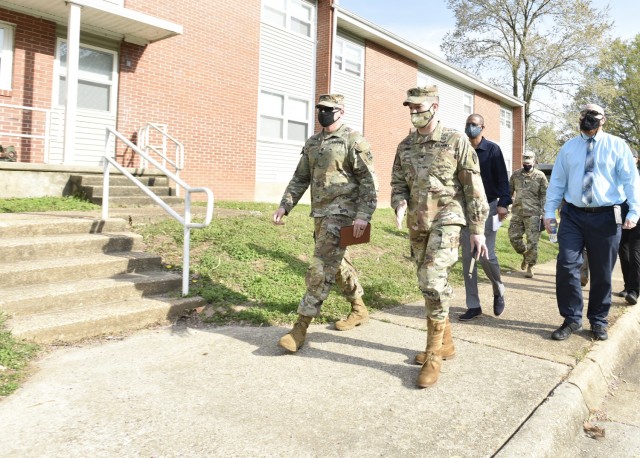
(418, 95)
(331, 100)
(528, 158)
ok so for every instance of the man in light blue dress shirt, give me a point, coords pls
(590, 217)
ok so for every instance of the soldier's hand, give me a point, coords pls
(359, 226)
(278, 214)
(401, 209)
(479, 246)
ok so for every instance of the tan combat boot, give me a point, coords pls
(448, 349)
(529, 273)
(431, 368)
(359, 315)
(294, 340)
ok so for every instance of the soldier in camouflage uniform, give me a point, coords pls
(338, 166)
(436, 180)
(530, 188)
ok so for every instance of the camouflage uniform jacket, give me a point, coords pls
(339, 168)
(439, 177)
(530, 192)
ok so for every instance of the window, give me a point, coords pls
(467, 104)
(95, 77)
(292, 15)
(283, 117)
(348, 57)
(506, 118)
(6, 56)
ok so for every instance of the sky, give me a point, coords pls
(425, 22)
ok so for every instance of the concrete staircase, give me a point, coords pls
(122, 192)
(66, 278)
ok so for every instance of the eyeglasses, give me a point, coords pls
(328, 109)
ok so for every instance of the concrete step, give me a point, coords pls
(66, 245)
(58, 270)
(86, 321)
(34, 224)
(46, 298)
(141, 201)
(92, 192)
(118, 180)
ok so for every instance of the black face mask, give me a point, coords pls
(527, 168)
(326, 118)
(589, 121)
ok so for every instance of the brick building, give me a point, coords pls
(234, 81)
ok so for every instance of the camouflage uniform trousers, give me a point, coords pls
(330, 264)
(518, 228)
(435, 252)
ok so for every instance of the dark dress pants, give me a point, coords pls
(630, 258)
(600, 234)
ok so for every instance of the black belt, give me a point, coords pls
(593, 209)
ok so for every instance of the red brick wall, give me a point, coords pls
(489, 108)
(204, 85)
(34, 46)
(324, 47)
(518, 138)
(386, 120)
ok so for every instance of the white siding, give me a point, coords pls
(506, 140)
(451, 111)
(352, 87)
(287, 67)
(89, 136)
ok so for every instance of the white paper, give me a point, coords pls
(496, 223)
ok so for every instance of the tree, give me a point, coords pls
(614, 84)
(526, 45)
(544, 142)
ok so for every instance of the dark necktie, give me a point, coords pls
(587, 180)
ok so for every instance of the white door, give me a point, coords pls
(97, 99)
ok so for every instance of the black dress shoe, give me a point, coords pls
(622, 293)
(470, 314)
(565, 331)
(631, 298)
(498, 305)
(599, 332)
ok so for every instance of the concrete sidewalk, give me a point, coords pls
(230, 391)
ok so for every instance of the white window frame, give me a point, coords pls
(290, 16)
(60, 72)
(467, 104)
(340, 61)
(506, 118)
(6, 71)
(286, 117)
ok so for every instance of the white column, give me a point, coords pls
(71, 104)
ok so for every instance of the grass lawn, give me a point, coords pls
(14, 358)
(253, 271)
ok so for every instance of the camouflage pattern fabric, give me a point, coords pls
(330, 264)
(338, 167)
(439, 177)
(530, 190)
(528, 226)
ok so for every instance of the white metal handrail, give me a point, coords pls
(185, 220)
(47, 122)
(144, 144)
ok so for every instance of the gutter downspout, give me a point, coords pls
(335, 5)
(71, 104)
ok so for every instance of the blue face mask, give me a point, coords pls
(472, 131)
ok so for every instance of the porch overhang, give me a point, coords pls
(101, 18)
